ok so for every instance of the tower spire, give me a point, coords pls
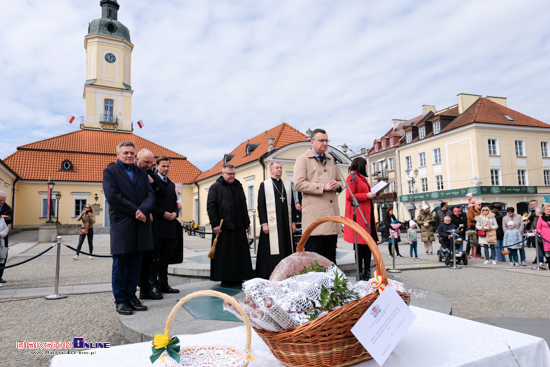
(109, 9)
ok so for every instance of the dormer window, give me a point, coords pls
(409, 136)
(66, 166)
(437, 127)
(376, 147)
(383, 144)
(422, 132)
(391, 142)
(508, 118)
(250, 148)
(227, 157)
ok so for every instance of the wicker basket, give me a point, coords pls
(328, 340)
(210, 355)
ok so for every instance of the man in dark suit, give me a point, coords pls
(6, 213)
(164, 226)
(145, 160)
(131, 200)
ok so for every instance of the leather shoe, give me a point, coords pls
(169, 290)
(152, 294)
(123, 309)
(2, 280)
(136, 305)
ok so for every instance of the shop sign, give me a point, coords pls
(477, 190)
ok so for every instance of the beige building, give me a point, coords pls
(251, 159)
(479, 146)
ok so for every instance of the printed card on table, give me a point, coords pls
(383, 325)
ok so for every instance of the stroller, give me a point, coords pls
(445, 254)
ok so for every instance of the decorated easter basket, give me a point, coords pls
(328, 340)
(172, 355)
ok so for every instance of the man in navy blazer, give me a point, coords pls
(131, 200)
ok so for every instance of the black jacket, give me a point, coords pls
(165, 201)
(219, 204)
(385, 232)
(457, 221)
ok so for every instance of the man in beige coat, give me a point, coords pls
(317, 178)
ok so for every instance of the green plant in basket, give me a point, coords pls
(330, 299)
(313, 267)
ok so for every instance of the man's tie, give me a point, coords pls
(321, 158)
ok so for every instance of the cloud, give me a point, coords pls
(208, 75)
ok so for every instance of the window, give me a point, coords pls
(437, 155)
(424, 184)
(437, 127)
(495, 177)
(373, 168)
(493, 146)
(79, 205)
(546, 177)
(376, 147)
(409, 137)
(439, 182)
(250, 197)
(391, 142)
(384, 144)
(520, 149)
(196, 207)
(522, 177)
(508, 118)
(53, 206)
(422, 159)
(391, 164)
(108, 107)
(392, 186)
(544, 149)
(408, 162)
(410, 187)
(422, 132)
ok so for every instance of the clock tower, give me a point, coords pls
(108, 91)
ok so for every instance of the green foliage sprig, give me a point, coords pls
(330, 299)
(314, 266)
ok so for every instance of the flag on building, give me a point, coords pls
(140, 124)
(70, 118)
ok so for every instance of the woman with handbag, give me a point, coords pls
(87, 230)
(543, 229)
(486, 226)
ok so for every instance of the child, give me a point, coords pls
(412, 235)
(395, 236)
(512, 241)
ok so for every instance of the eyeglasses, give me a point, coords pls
(229, 174)
(322, 141)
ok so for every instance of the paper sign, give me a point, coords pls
(383, 325)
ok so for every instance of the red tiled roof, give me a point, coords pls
(488, 112)
(283, 134)
(89, 152)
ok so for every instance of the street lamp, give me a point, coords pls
(51, 184)
(58, 197)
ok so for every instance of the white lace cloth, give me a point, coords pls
(434, 340)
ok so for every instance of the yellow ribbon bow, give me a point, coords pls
(377, 282)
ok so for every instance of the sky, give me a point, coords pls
(208, 75)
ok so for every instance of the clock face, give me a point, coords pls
(110, 58)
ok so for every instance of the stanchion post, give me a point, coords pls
(453, 236)
(537, 267)
(254, 229)
(56, 294)
(393, 269)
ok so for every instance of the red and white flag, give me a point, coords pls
(70, 118)
(140, 124)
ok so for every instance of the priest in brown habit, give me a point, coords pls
(276, 211)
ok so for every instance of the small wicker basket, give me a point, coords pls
(210, 355)
(328, 340)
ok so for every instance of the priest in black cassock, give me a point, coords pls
(226, 200)
(276, 211)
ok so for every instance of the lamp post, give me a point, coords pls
(58, 197)
(51, 184)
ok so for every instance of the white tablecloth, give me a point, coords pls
(434, 339)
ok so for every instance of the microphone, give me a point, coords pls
(354, 178)
(335, 157)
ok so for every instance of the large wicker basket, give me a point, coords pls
(328, 340)
(210, 355)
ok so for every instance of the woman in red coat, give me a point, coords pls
(361, 190)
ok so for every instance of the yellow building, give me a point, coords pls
(251, 159)
(479, 146)
(75, 161)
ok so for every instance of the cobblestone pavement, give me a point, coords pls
(475, 291)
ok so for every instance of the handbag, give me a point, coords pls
(505, 251)
(491, 236)
(83, 230)
(3, 253)
(481, 233)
